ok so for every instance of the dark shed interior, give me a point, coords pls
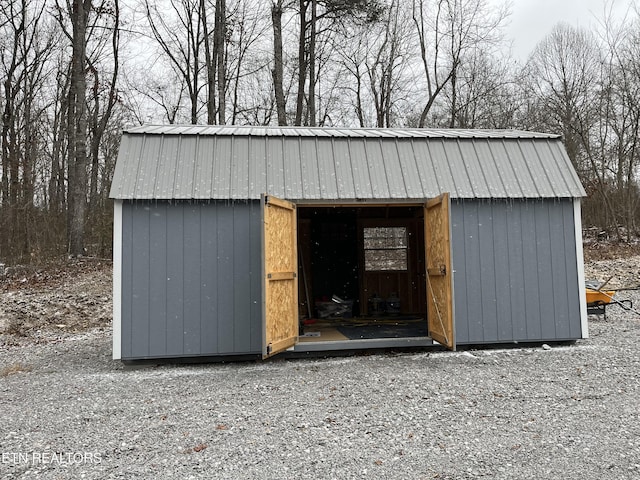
(361, 271)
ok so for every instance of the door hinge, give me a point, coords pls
(440, 270)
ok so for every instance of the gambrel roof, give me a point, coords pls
(340, 164)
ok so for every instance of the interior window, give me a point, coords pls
(385, 248)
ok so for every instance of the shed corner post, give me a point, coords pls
(263, 272)
(117, 280)
(577, 221)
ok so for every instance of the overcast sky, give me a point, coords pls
(532, 20)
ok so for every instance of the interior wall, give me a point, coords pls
(332, 256)
(409, 285)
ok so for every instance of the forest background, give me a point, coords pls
(75, 73)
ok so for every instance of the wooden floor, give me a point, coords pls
(340, 330)
(321, 334)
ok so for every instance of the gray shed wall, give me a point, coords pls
(191, 279)
(516, 273)
(191, 275)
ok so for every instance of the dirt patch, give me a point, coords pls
(68, 297)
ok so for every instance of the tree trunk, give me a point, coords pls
(302, 62)
(78, 119)
(211, 68)
(312, 65)
(218, 46)
(278, 67)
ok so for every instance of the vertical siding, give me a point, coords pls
(191, 282)
(126, 294)
(157, 280)
(516, 273)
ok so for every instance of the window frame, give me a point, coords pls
(403, 248)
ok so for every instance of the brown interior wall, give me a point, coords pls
(409, 285)
(305, 279)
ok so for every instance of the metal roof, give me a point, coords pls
(340, 164)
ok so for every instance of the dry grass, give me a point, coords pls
(15, 368)
(610, 250)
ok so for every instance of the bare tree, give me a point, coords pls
(27, 44)
(562, 75)
(104, 93)
(215, 60)
(278, 62)
(484, 94)
(447, 30)
(388, 63)
(319, 18)
(177, 30)
(77, 122)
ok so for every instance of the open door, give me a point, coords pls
(437, 239)
(280, 283)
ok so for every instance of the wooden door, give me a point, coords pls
(439, 275)
(280, 282)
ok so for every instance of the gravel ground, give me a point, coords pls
(562, 411)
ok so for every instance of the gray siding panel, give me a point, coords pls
(191, 279)
(140, 290)
(157, 281)
(516, 275)
(209, 277)
(504, 327)
(226, 311)
(241, 271)
(530, 269)
(514, 253)
(175, 279)
(546, 274)
(472, 279)
(126, 280)
(255, 291)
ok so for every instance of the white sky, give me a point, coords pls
(532, 20)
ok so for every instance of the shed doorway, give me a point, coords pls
(362, 274)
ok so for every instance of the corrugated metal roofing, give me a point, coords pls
(297, 163)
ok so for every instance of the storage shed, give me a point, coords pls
(245, 241)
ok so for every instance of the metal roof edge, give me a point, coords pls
(336, 132)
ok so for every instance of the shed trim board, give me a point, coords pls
(584, 322)
(189, 271)
(117, 280)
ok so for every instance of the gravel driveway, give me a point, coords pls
(570, 412)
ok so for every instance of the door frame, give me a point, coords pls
(273, 345)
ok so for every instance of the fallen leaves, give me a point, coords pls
(197, 449)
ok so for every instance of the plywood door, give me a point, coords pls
(280, 275)
(439, 274)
